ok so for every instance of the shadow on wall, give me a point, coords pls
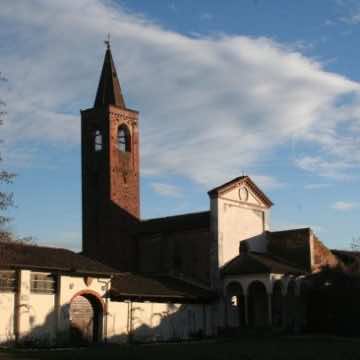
(171, 324)
(45, 334)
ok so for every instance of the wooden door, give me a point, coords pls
(84, 320)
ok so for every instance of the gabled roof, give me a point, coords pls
(174, 223)
(109, 90)
(258, 263)
(128, 286)
(42, 258)
(240, 180)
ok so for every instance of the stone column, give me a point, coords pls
(270, 309)
(226, 303)
(57, 309)
(246, 308)
(22, 308)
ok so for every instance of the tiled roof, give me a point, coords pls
(20, 256)
(160, 288)
(255, 263)
(174, 223)
(279, 233)
(350, 259)
(241, 179)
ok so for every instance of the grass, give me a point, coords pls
(266, 348)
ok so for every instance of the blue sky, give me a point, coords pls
(268, 88)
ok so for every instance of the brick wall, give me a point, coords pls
(110, 187)
(182, 253)
(292, 246)
(322, 256)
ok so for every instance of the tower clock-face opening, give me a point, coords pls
(123, 139)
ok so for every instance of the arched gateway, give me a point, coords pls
(86, 314)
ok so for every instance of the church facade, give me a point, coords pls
(177, 277)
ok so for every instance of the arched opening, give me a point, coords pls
(86, 315)
(258, 305)
(124, 138)
(277, 305)
(98, 141)
(235, 305)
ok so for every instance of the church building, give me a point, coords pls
(172, 278)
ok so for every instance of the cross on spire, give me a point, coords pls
(107, 41)
(109, 91)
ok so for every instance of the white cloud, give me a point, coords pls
(210, 107)
(337, 169)
(267, 182)
(167, 190)
(344, 205)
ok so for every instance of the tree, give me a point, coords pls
(355, 244)
(6, 198)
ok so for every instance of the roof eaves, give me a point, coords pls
(241, 179)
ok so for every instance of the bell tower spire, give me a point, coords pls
(109, 90)
(110, 173)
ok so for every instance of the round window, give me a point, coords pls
(243, 194)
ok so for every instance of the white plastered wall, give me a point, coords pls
(237, 220)
(45, 318)
(150, 321)
(42, 318)
(7, 306)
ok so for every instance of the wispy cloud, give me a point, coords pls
(206, 16)
(167, 190)
(345, 205)
(351, 19)
(317, 186)
(267, 182)
(219, 105)
(334, 168)
(350, 10)
(172, 6)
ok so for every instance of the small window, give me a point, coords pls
(98, 141)
(8, 281)
(123, 139)
(43, 283)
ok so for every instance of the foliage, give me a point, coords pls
(355, 244)
(6, 198)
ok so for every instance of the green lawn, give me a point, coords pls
(291, 348)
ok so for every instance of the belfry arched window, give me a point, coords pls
(98, 141)
(123, 139)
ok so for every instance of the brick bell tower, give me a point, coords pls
(110, 173)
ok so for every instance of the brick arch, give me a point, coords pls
(235, 307)
(258, 304)
(234, 287)
(86, 311)
(92, 293)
